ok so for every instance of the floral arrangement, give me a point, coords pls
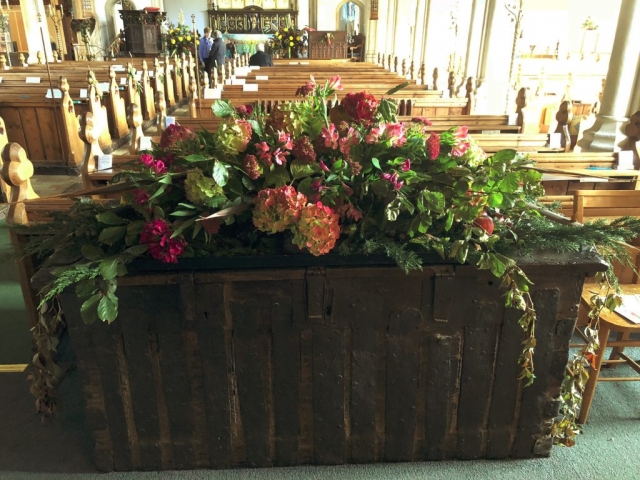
(287, 40)
(180, 39)
(311, 179)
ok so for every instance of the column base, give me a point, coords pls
(605, 135)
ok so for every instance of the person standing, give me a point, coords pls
(218, 50)
(260, 58)
(204, 50)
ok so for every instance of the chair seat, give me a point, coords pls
(614, 320)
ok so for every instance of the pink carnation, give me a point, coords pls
(360, 107)
(277, 209)
(317, 230)
(157, 236)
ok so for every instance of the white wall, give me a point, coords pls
(197, 7)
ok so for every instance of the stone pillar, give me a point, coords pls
(618, 97)
(313, 14)
(418, 34)
(392, 16)
(30, 11)
(381, 28)
(477, 37)
(371, 33)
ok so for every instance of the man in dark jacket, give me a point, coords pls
(260, 59)
(218, 50)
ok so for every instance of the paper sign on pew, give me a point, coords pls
(238, 81)
(254, 67)
(32, 80)
(83, 93)
(250, 87)
(262, 77)
(512, 119)
(56, 93)
(625, 160)
(212, 93)
(491, 132)
(145, 144)
(105, 162)
(242, 71)
(0, 79)
(123, 80)
(169, 121)
(118, 68)
(555, 140)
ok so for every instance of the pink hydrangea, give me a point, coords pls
(244, 110)
(157, 236)
(318, 229)
(234, 137)
(303, 150)
(277, 209)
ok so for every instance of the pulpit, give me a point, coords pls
(142, 32)
(327, 45)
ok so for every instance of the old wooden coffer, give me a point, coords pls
(322, 365)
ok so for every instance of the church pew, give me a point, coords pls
(521, 142)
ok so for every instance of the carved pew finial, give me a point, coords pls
(193, 103)
(632, 131)
(404, 67)
(17, 171)
(435, 77)
(379, 61)
(5, 189)
(22, 60)
(161, 109)
(564, 115)
(395, 64)
(134, 120)
(40, 57)
(412, 71)
(470, 88)
(91, 128)
(3, 62)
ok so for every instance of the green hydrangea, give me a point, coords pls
(203, 190)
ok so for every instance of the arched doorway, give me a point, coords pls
(350, 15)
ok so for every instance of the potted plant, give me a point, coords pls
(263, 320)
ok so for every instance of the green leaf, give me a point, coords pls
(257, 128)
(397, 88)
(186, 205)
(158, 192)
(196, 158)
(278, 177)
(337, 166)
(110, 218)
(183, 227)
(108, 268)
(220, 173)
(248, 183)
(111, 235)
(495, 199)
(376, 163)
(504, 156)
(86, 288)
(92, 252)
(222, 108)
(509, 183)
(165, 179)
(89, 309)
(183, 213)
(108, 308)
(300, 169)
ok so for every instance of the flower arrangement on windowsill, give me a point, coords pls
(180, 39)
(347, 180)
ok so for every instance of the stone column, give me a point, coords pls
(392, 16)
(371, 33)
(618, 97)
(381, 28)
(30, 11)
(477, 37)
(418, 34)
